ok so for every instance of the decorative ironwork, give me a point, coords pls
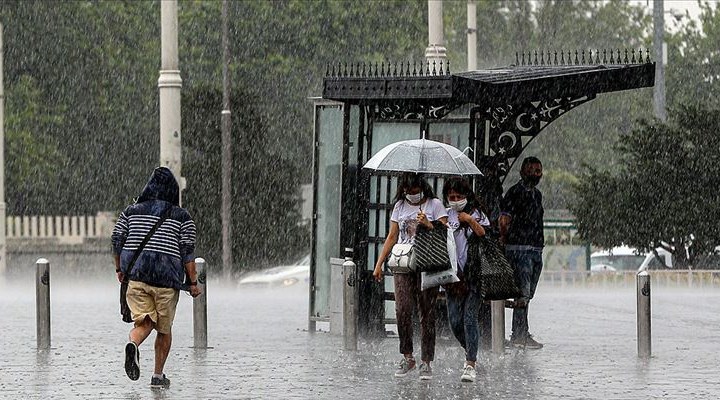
(503, 132)
(394, 69)
(543, 58)
(411, 110)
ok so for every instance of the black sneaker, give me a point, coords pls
(527, 343)
(160, 383)
(132, 361)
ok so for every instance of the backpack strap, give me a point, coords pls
(146, 239)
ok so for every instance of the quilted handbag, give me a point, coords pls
(488, 268)
(399, 259)
(431, 249)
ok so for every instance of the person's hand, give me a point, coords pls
(464, 217)
(422, 218)
(378, 273)
(120, 276)
(195, 291)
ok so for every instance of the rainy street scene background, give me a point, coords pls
(251, 104)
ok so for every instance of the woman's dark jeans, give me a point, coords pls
(463, 308)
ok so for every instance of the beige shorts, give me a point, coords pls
(157, 303)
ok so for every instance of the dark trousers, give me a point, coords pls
(528, 266)
(407, 295)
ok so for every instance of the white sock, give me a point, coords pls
(159, 376)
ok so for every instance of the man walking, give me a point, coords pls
(157, 271)
(521, 231)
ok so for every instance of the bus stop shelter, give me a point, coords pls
(492, 114)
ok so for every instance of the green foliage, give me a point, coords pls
(26, 125)
(665, 192)
(265, 208)
(82, 99)
(693, 70)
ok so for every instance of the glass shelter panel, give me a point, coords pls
(329, 122)
(452, 133)
(382, 188)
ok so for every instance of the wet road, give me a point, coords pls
(261, 350)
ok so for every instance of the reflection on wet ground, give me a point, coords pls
(261, 349)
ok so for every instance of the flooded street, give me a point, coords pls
(260, 348)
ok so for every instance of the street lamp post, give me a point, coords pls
(3, 240)
(169, 85)
(226, 124)
(471, 35)
(658, 39)
(436, 51)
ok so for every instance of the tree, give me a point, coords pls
(34, 156)
(693, 70)
(265, 202)
(586, 134)
(91, 70)
(666, 193)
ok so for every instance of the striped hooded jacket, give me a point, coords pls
(161, 262)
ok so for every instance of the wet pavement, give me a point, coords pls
(261, 350)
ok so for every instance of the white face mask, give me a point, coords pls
(458, 205)
(414, 198)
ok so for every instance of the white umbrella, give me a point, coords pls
(422, 156)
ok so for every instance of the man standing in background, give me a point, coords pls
(521, 231)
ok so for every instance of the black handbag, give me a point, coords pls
(124, 308)
(430, 253)
(490, 270)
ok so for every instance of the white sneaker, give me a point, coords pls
(406, 365)
(425, 372)
(468, 374)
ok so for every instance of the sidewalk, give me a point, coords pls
(261, 350)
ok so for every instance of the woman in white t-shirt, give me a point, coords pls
(415, 203)
(463, 298)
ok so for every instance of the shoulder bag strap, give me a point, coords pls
(146, 239)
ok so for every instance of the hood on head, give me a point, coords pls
(161, 186)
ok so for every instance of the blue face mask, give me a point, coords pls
(414, 198)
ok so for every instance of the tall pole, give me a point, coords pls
(226, 124)
(658, 39)
(169, 85)
(471, 35)
(3, 240)
(435, 52)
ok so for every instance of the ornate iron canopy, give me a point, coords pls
(509, 106)
(423, 88)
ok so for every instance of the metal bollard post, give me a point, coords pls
(200, 307)
(42, 303)
(498, 326)
(644, 336)
(349, 301)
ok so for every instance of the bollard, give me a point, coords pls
(200, 307)
(498, 326)
(42, 303)
(644, 336)
(349, 301)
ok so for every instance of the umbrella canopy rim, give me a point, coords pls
(466, 168)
